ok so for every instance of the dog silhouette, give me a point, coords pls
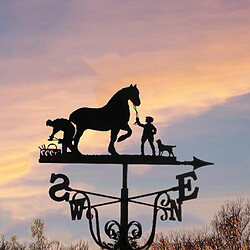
(168, 148)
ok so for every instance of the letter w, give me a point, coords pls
(76, 207)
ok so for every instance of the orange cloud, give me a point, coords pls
(181, 80)
(14, 166)
(23, 117)
(184, 57)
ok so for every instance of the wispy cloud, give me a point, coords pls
(189, 58)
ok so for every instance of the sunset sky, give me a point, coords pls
(191, 62)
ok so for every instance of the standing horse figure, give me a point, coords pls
(113, 116)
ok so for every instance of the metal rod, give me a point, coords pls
(103, 204)
(125, 176)
(96, 194)
(154, 193)
(124, 209)
(147, 204)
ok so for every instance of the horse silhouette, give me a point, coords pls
(113, 116)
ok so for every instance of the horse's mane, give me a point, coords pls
(117, 97)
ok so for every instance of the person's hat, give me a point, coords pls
(48, 122)
(149, 119)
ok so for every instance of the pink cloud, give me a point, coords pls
(185, 56)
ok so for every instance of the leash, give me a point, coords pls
(136, 113)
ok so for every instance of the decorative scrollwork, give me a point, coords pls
(89, 215)
(135, 233)
(110, 231)
(164, 204)
(93, 218)
(123, 234)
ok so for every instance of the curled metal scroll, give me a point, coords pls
(94, 226)
(136, 232)
(164, 203)
(110, 231)
(162, 200)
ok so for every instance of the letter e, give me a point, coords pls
(186, 185)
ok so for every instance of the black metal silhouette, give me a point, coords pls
(149, 131)
(123, 232)
(68, 129)
(162, 148)
(113, 116)
(46, 156)
(50, 151)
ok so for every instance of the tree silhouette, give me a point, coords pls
(41, 241)
(231, 223)
(231, 231)
(11, 244)
(37, 232)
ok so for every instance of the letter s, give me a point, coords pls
(58, 187)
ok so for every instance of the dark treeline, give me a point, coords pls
(229, 229)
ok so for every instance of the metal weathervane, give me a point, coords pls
(114, 116)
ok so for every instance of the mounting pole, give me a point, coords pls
(124, 208)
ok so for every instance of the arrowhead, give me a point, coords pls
(197, 163)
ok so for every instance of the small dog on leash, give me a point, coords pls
(163, 148)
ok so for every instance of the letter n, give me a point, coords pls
(175, 208)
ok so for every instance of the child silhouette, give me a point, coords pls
(149, 131)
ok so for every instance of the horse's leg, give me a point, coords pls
(113, 137)
(79, 132)
(128, 134)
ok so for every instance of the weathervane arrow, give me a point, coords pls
(196, 163)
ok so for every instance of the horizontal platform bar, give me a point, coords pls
(109, 159)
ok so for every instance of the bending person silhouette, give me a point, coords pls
(68, 129)
(149, 131)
